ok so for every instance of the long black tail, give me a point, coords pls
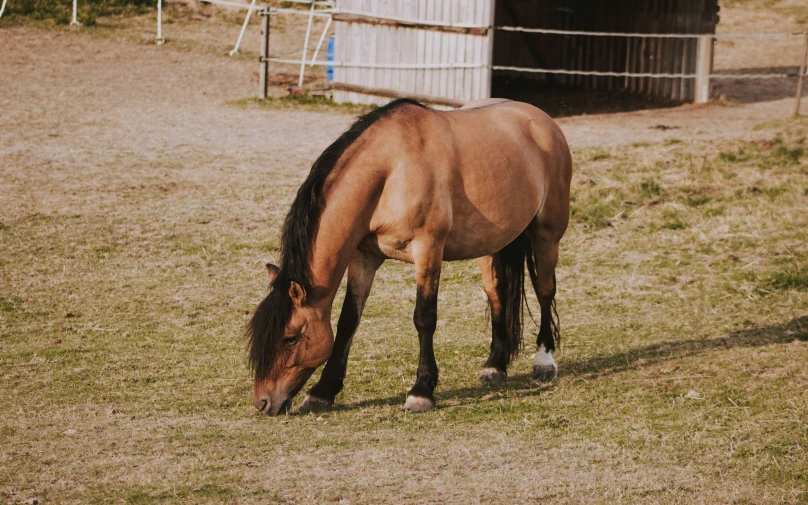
(517, 257)
(513, 258)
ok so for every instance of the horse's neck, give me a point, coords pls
(343, 224)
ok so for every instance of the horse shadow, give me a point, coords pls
(611, 364)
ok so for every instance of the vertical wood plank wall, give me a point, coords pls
(367, 43)
(616, 54)
(357, 42)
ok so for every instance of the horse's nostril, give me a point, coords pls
(260, 403)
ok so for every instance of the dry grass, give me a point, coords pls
(132, 240)
(682, 376)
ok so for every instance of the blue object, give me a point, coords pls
(329, 56)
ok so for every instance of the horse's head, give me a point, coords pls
(288, 340)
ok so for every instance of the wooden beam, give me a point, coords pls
(391, 93)
(358, 18)
(263, 72)
(802, 75)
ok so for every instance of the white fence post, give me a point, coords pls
(75, 21)
(243, 28)
(159, 40)
(704, 67)
(306, 46)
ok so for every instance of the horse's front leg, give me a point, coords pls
(428, 259)
(361, 272)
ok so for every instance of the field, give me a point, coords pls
(142, 191)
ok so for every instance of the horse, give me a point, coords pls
(489, 181)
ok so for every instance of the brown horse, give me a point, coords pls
(490, 181)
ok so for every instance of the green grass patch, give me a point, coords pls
(60, 12)
(791, 276)
(306, 101)
(675, 224)
(650, 189)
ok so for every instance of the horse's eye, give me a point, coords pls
(292, 340)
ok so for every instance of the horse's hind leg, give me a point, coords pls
(494, 282)
(361, 271)
(545, 249)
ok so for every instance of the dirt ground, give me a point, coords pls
(144, 141)
(87, 99)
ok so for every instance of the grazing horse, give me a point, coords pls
(490, 182)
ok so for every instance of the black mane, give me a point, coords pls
(266, 328)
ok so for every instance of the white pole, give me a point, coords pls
(305, 47)
(2, 8)
(159, 40)
(243, 29)
(75, 22)
(704, 67)
(320, 44)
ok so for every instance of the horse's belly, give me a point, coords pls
(483, 238)
(492, 210)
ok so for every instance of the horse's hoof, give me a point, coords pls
(491, 375)
(314, 405)
(544, 366)
(544, 373)
(418, 404)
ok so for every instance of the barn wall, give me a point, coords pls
(616, 54)
(358, 42)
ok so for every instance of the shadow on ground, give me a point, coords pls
(756, 90)
(563, 101)
(604, 366)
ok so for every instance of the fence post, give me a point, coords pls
(159, 40)
(704, 67)
(74, 22)
(263, 72)
(802, 75)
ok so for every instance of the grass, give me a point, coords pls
(682, 372)
(301, 101)
(60, 12)
(790, 277)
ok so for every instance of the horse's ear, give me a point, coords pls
(297, 294)
(273, 272)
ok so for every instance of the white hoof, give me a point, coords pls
(418, 404)
(491, 375)
(544, 366)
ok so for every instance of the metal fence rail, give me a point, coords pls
(653, 35)
(596, 73)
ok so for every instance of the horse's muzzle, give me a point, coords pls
(271, 407)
